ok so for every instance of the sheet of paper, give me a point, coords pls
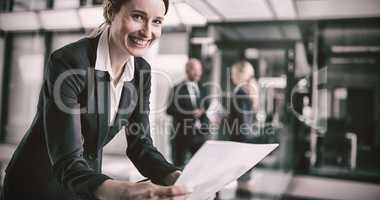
(217, 163)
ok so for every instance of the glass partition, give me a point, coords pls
(344, 141)
(2, 51)
(26, 73)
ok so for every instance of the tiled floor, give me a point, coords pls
(272, 185)
(265, 184)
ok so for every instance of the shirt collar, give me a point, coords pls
(188, 82)
(103, 60)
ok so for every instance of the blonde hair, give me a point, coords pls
(110, 9)
(242, 75)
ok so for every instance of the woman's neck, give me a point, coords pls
(118, 59)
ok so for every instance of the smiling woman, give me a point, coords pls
(94, 89)
(136, 26)
(133, 27)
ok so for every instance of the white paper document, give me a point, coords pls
(218, 163)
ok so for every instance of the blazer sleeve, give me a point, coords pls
(171, 109)
(147, 159)
(62, 128)
(180, 106)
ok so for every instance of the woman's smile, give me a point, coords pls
(138, 42)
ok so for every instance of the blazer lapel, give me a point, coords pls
(97, 101)
(91, 135)
(102, 97)
(97, 109)
(127, 105)
(101, 100)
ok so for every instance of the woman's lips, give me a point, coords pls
(140, 43)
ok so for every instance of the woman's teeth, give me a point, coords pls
(140, 42)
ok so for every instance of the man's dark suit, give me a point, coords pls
(61, 154)
(187, 138)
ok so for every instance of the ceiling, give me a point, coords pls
(256, 10)
(67, 15)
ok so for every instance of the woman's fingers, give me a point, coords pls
(155, 192)
(172, 191)
(140, 191)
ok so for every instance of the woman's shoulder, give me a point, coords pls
(76, 53)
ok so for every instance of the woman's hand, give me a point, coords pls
(172, 177)
(119, 190)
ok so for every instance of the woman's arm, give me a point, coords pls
(148, 160)
(62, 128)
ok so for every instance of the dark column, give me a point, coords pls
(48, 35)
(6, 6)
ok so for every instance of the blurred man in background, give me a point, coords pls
(186, 106)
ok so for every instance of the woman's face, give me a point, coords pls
(137, 25)
(240, 77)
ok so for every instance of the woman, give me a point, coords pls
(242, 115)
(92, 89)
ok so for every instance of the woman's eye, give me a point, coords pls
(137, 17)
(157, 22)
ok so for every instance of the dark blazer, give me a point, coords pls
(61, 154)
(241, 117)
(181, 109)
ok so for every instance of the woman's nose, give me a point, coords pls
(146, 30)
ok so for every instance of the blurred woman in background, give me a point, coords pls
(244, 103)
(92, 89)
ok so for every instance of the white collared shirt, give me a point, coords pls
(193, 89)
(103, 63)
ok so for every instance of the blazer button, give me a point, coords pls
(91, 156)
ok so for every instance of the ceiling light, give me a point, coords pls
(284, 9)
(189, 16)
(19, 21)
(205, 10)
(354, 49)
(91, 17)
(202, 40)
(242, 10)
(60, 19)
(329, 9)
